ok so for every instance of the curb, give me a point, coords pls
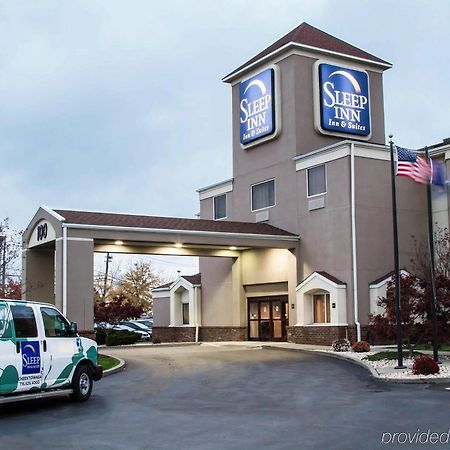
(169, 344)
(373, 372)
(121, 366)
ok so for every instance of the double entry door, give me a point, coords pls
(268, 318)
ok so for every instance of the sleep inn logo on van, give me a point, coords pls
(344, 100)
(31, 357)
(257, 109)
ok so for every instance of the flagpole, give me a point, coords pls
(432, 263)
(396, 262)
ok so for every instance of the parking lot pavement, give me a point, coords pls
(228, 397)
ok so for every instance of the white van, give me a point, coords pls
(42, 355)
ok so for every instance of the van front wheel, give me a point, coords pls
(82, 384)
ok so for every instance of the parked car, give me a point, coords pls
(145, 336)
(41, 354)
(147, 322)
(138, 326)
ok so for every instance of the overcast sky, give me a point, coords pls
(119, 105)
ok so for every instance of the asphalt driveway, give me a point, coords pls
(208, 397)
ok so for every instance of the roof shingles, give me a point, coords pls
(169, 223)
(310, 36)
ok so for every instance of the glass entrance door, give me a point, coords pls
(268, 318)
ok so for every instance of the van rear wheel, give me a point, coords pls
(82, 384)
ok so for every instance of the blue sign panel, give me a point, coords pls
(344, 100)
(257, 107)
(31, 357)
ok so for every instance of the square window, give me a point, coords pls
(316, 179)
(185, 313)
(220, 207)
(24, 321)
(263, 195)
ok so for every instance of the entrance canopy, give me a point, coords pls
(58, 248)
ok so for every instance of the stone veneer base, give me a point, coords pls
(323, 335)
(205, 334)
(314, 335)
(87, 334)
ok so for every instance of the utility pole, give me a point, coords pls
(105, 282)
(3, 263)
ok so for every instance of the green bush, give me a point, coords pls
(387, 354)
(122, 337)
(100, 336)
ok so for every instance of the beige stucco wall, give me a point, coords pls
(374, 223)
(217, 292)
(161, 310)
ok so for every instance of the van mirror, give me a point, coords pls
(73, 327)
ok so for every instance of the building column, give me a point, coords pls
(292, 286)
(80, 281)
(238, 295)
(38, 275)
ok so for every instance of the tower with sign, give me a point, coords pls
(309, 157)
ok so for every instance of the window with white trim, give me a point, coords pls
(220, 206)
(321, 308)
(185, 307)
(316, 180)
(263, 195)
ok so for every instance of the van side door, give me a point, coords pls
(9, 358)
(28, 347)
(61, 352)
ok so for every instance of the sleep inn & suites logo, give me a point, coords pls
(257, 107)
(344, 101)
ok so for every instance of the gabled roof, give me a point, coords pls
(169, 223)
(310, 37)
(325, 276)
(195, 280)
(331, 278)
(386, 277)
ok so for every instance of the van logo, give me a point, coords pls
(256, 105)
(31, 357)
(344, 100)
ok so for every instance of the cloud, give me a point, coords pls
(118, 106)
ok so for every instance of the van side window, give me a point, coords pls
(55, 325)
(5, 330)
(24, 321)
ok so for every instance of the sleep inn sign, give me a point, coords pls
(344, 100)
(257, 113)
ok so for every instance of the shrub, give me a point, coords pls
(156, 340)
(424, 365)
(341, 345)
(100, 336)
(122, 338)
(361, 347)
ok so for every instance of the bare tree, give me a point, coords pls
(137, 283)
(10, 246)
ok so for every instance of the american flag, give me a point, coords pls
(409, 164)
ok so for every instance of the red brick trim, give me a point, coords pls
(205, 334)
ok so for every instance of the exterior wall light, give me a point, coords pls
(118, 242)
(232, 247)
(178, 245)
